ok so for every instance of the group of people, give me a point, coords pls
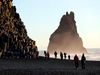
(47, 55)
(64, 55)
(76, 61)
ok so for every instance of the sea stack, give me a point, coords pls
(14, 40)
(65, 38)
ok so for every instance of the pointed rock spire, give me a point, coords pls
(65, 38)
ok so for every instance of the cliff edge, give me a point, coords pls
(14, 41)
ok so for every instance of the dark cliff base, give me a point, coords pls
(46, 67)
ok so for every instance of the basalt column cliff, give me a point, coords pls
(65, 38)
(14, 40)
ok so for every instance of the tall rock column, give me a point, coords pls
(65, 38)
(13, 34)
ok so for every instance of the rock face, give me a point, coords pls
(65, 38)
(13, 35)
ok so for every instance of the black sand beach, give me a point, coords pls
(46, 67)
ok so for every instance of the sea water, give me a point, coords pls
(93, 54)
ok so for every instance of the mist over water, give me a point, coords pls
(93, 54)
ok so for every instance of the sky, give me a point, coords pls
(41, 18)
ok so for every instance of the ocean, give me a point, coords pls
(93, 54)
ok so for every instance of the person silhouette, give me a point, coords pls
(68, 57)
(55, 54)
(83, 60)
(45, 54)
(65, 55)
(76, 61)
(61, 55)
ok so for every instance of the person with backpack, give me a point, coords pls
(76, 61)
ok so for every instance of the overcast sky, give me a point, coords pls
(42, 17)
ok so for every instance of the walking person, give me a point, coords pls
(55, 54)
(65, 55)
(83, 60)
(76, 61)
(68, 57)
(61, 55)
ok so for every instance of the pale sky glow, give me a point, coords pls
(42, 17)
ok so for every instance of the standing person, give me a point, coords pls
(68, 57)
(55, 54)
(45, 54)
(76, 61)
(65, 55)
(61, 55)
(83, 60)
